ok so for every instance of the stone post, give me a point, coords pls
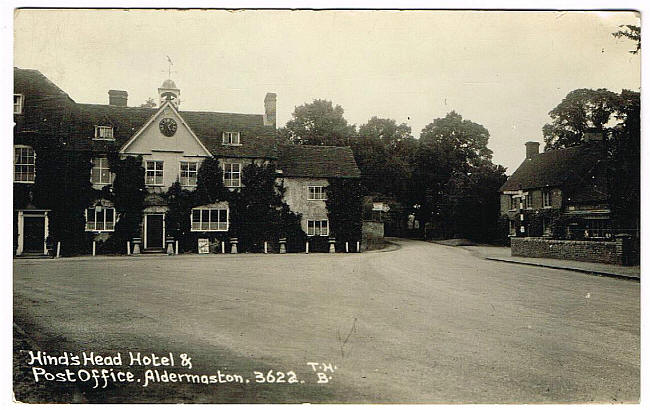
(136, 246)
(283, 245)
(170, 245)
(331, 242)
(233, 245)
(623, 248)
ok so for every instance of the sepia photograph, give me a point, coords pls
(339, 206)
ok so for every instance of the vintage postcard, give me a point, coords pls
(326, 206)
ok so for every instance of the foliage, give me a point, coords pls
(344, 207)
(631, 32)
(258, 213)
(177, 219)
(318, 123)
(128, 198)
(150, 103)
(209, 182)
(581, 110)
(455, 181)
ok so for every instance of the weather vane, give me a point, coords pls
(169, 68)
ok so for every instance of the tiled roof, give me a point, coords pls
(317, 161)
(257, 140)
(25, 79)
(579, 170)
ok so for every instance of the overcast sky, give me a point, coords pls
(504, 70)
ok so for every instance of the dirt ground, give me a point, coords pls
(421, 324)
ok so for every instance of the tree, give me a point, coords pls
(150, 103)
(385, 130)
(633, 33)
(128, 198)
(344, 201)
(318, 123)
(579, 111)
(454, 178)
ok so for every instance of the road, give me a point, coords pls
(422, 324)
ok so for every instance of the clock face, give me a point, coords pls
(168, 126)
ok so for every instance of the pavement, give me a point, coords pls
(502, 253)
(423, 323)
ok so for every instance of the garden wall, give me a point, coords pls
(618, 252)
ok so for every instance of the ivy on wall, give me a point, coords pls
(344, 208)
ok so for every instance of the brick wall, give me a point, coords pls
(586, 251)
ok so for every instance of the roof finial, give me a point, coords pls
(169, 68)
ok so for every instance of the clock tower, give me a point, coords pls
(169, 92)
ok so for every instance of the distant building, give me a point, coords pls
(172, 143)
(561, 193)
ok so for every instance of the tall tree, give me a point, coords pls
(385, 130)
(318, 123)
(579, 111)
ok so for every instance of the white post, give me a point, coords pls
(58, 249)
(307, 247)
(176, 249)
(128, 247)
(347, 247)
(223, 247)
(358, 247)
(266, 249)
(94, 247)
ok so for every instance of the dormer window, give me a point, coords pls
(230, 138)
(18, 103)
(103, 132)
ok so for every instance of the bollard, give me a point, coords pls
(266, 249)
(233, 245)
(358, 247)
(347, 247)
(58, 249)
(94, 243)
(307, 247)
(128, 247)
(176, 250)
(136, 246)
(223, 246)
(332, 248)
(283, 245)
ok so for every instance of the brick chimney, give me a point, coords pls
(269, 109)
(117, 97)
(532, 149)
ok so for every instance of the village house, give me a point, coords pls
(566, 184)
(172, 144)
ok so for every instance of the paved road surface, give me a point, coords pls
(425, 323)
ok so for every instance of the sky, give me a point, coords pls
(503, 69)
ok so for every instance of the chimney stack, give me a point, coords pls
(117, 98)
(532, 149)
(269, 109)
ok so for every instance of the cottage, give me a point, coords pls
(172, 144)
(559, 193)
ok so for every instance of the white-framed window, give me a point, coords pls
(103, 132)
(317, 193)
(513, 202)
(230, 138)
(24, 164)
(189, 172)
(100, 173)
(546, 198)
(100, 219)
(317, 228)
(18, 103)
(232, 175)
(209, 219)
(154, 173)
(528, 198)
